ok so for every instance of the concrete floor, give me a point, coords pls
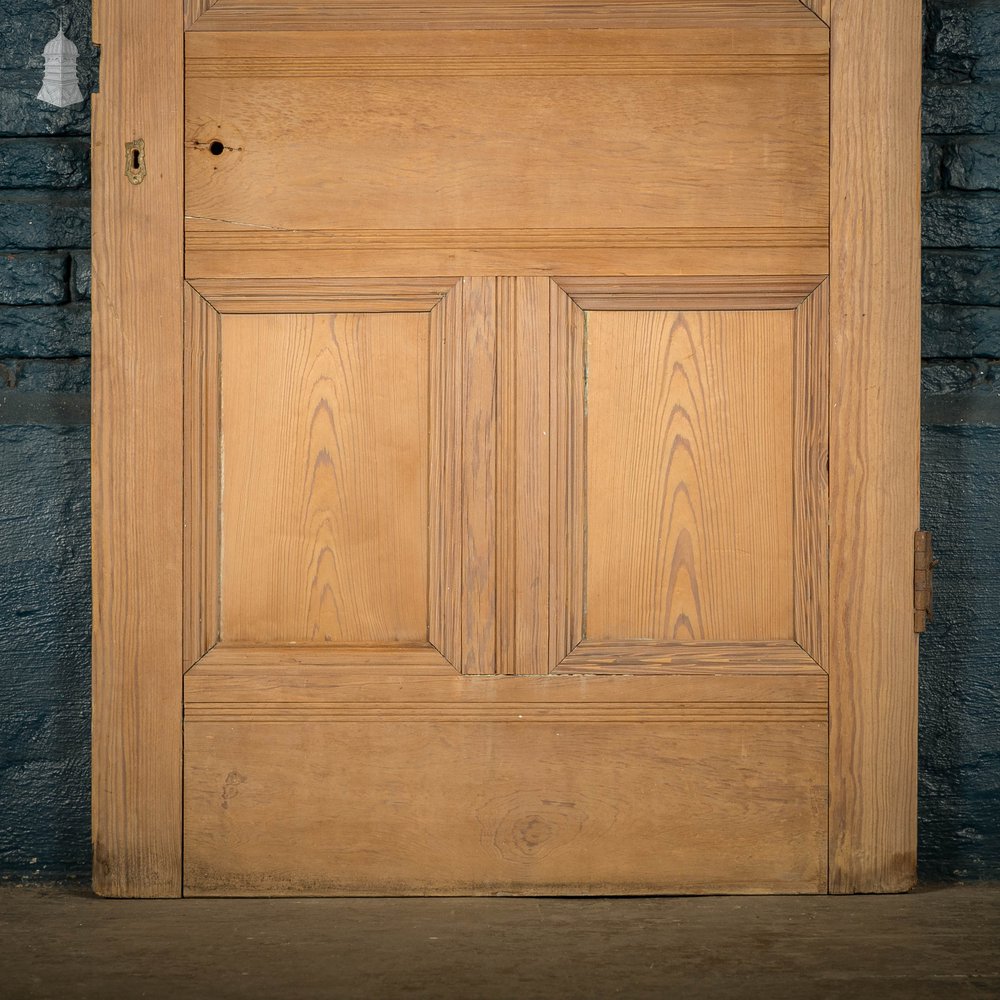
(62, 943)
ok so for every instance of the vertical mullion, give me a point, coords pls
(509, 477)
(479, 474)
(531, 498)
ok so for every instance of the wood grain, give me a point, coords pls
(388, 658)
(688, 486)
(446, 526)
(523, 490)
(874, 444)
(137, 480)
(531, 635)
(479, 476)
(268, 15)
(507, 461)
(194, 9)
(821, 8)
(454, 138)
(325, 468)
(711, 37)
(309, 713)
(547, 807)
(712, 292)
(216, 234)
(434, 63)
(346, 295)
(567, 516)
(202, 475)
(635, 656)
(811, 465)
(238, 296)
(690, 259)
(277, 676)
(547, 157)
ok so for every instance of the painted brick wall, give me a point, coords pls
(960, 662)
(44, 449)
(44, 441)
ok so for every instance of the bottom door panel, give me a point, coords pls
(451, 807)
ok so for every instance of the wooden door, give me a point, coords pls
(505, 458)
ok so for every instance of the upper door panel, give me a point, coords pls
(692, 139)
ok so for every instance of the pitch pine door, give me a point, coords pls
(519, 515)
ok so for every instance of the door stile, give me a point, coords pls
(137, 453)
(874, 442)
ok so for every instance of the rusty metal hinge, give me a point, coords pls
(923, 580)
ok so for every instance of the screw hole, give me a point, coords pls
(216, 148)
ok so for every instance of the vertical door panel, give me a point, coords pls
(688, 483)
(689, 474)
(325, 478)
(325, 464)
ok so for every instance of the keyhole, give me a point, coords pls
(135, 161)
(216, 148)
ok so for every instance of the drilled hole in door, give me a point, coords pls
(216, 148)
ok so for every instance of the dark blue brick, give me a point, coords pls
(966, 37)
(52, 9)
(961, 220)
(81, 276)
(45, 331)
(33, 278)
(44, 648)
(44, 546)
(21, 113)
(44, 489)
(44, 163)
(951, 331)
(973, 164)
(46, 374)
(49, 833)
(961, 109)
(930, 165)
(962, 277)
(959, 680)
(947, 376)
(30, 26)
(39, 220)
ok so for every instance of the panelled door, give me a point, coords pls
(534, 522)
